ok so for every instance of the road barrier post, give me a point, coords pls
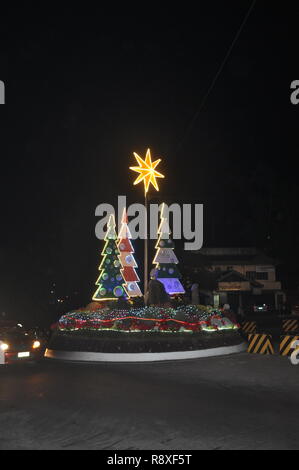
(260, 344)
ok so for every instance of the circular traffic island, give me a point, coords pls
(143, 335)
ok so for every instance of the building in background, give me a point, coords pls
(244, 278)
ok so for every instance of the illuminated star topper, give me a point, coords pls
(148, 173)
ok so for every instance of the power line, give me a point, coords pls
(207, 94)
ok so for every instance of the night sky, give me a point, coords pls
(85, 88)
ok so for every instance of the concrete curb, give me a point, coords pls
(81, 356)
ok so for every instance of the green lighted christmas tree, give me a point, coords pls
(110, 282)
(166, 260)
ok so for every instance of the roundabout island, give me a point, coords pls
(122, 325)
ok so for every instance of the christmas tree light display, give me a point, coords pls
(110, 282)
(166, 260)
(131, 331)
(127, 260)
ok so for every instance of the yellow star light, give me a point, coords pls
(147, 171)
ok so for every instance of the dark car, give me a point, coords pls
(17, 345)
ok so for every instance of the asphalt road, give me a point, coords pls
(236, 402)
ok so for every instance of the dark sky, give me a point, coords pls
(86, 88)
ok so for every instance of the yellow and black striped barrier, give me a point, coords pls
(285, 344)
(248, 327)
(290, 325)
(260, 344)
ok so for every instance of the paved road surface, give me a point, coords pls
(236, 402)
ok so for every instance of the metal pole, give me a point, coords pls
(145, 249)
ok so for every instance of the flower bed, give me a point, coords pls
(183, 319)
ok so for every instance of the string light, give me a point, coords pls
(138, 319)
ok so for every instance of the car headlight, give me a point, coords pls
(4, 347)
(36, 345)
